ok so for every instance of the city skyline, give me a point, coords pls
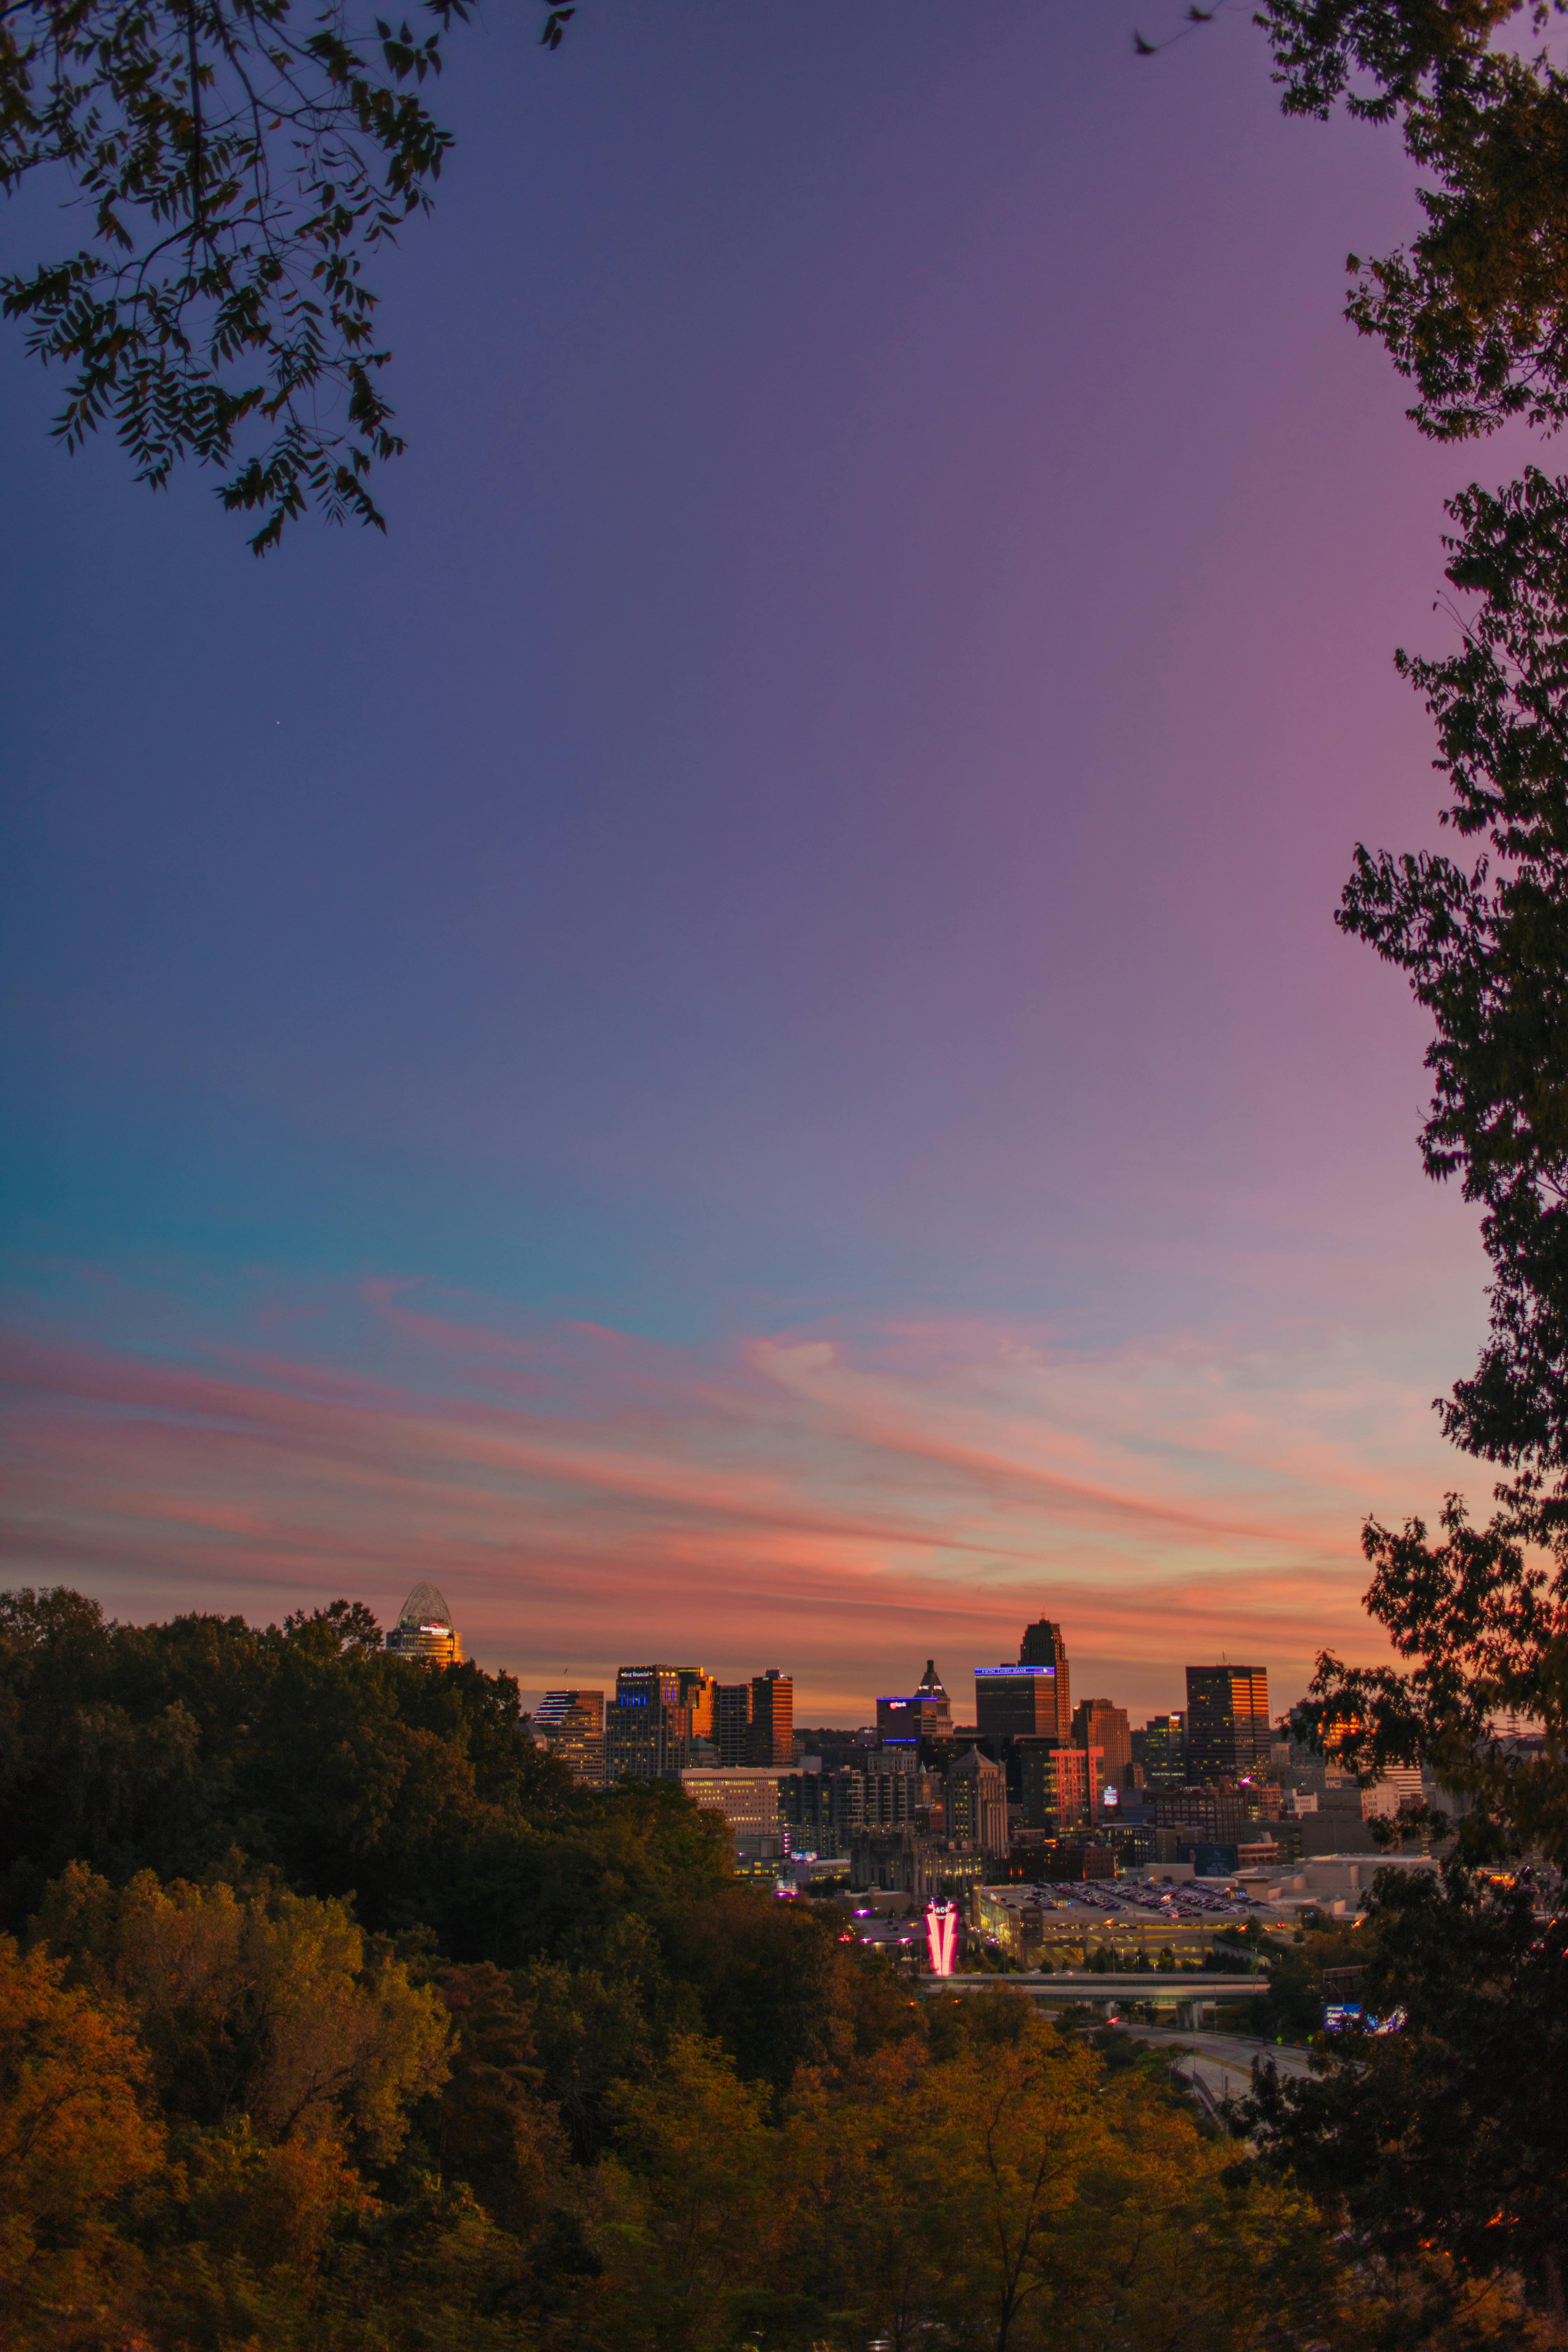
(695, 1684)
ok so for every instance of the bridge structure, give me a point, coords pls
(1185, 1996)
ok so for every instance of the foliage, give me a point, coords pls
(1292, 2009)
(1483, 1611)
(1475, 313)
(236, 165)
(269, 2004)
(1451, 2133)
(346, 1770)
(76, 2137)
(1444, 2139)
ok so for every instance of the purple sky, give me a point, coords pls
(733, 1044)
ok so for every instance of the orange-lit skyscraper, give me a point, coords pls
(425, 1630)
(773, 1718)
(1228, 1730)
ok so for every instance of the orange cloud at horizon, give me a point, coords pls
(839, 1505)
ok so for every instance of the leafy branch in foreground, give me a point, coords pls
(237, 162)
(1485, 947)
(1475, 311)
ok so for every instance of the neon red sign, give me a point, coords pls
(941, 1937)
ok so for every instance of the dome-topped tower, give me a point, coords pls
(932, 1685)
(425, 1630)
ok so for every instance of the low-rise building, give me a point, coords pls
(745, 1796)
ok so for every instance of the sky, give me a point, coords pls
(732, 1043)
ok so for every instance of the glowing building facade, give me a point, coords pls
(425, 1630)
(1229, 1729)
(572, 1723)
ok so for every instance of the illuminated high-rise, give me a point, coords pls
(1101, 1723)
(647, 1731)
(572, 1723)
(698, 1690)
(1043, 1645)
(1160, 1749)
(1228, 1730)
(425, 1630)
(1055, 1785)
(773, 1718)
(976, 1802)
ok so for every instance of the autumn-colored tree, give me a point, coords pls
(78, 2136)
(268, 2005)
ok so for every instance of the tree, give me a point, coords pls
(268, 2005)
(1485, 945)
(489, 2124)
(1452, 2132)
(710, 2218)
(1475, 314)
(237, 164)
(1444, 2139)
(348, 1769)
(77, 2133)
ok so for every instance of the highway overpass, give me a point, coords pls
(1186, 1994)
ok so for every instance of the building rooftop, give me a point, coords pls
(426, 1605)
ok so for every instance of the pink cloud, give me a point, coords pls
(840, 1505)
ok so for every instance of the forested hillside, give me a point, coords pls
(331, 2016)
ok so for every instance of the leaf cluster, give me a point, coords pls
(1483, 1611)
(234, 166)
(1474, 313)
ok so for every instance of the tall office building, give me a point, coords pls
(1229, 1729)
(1161, 1747)
(731, 1732)
(889, 1799)
(697, 1692)
(1019, 1702)
(647, 1686)
(930, 1686)
(925, 1713)
(425, 1630)
(647, 1731)
(573, 1723)
(1043, 1645)
(976, 1805)
(773, 1718)
(1099, 1723)
(1212, 1815)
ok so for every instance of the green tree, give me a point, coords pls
(710, 2220)
(1484, 1611)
